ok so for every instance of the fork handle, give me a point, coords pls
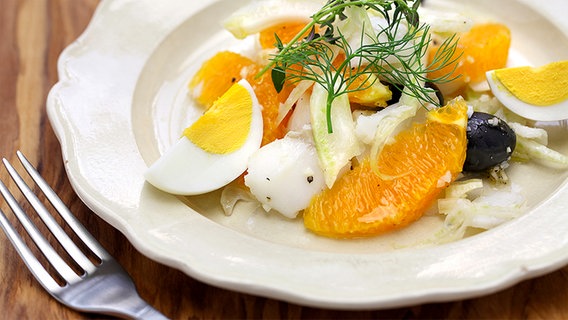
(148, 312)
(115, 296)
(140, 309)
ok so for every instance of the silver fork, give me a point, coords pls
(102, 287)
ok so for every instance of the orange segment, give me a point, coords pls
(270, 101)
(286, 32)
(374, 94)
(217, 75)
(484, 47)
(366, 89)
(220, 72)
(423, 160)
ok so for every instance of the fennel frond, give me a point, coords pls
(395, 53)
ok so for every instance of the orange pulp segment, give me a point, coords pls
(484, 47)
(374, 94)
(285, 31)
(217, 75)
(420, 163)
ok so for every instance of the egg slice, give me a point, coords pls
(534, 93)
(215, 149)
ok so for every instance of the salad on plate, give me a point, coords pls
(360, 117)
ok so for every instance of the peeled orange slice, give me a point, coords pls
(285, 32)
(375, 93)
(420, 163)
(218, 74)
(484, 47)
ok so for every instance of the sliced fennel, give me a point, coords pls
(444, 22)
(532, 145)
(233, 194)
(541, 153)
(335, 149)
(354, 30)
(465, 211)
(535, 134)
(386, 128)
(259, 15)
(377, 129)
(293, 97)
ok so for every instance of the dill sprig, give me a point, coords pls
(391, 56)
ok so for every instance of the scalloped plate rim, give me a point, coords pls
(270, 275)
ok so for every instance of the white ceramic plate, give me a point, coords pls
(121, 100)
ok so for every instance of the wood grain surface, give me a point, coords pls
(32, 35)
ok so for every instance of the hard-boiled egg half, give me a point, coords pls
(215, 149)
(534, 93)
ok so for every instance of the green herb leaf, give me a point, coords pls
(278, 78)
(392, 56)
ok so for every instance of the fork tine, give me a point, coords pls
(65, 213)
(62, 268)
(107, 289)
(30, 260)
(49, 221)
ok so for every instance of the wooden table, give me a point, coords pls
(32, 35)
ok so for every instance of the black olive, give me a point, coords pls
(397, 92)
(490, 141)
(439, 94)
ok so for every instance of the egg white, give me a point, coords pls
(555, 112)
(186, 169)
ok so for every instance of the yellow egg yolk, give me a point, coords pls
(542, 86)
(225, 126)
